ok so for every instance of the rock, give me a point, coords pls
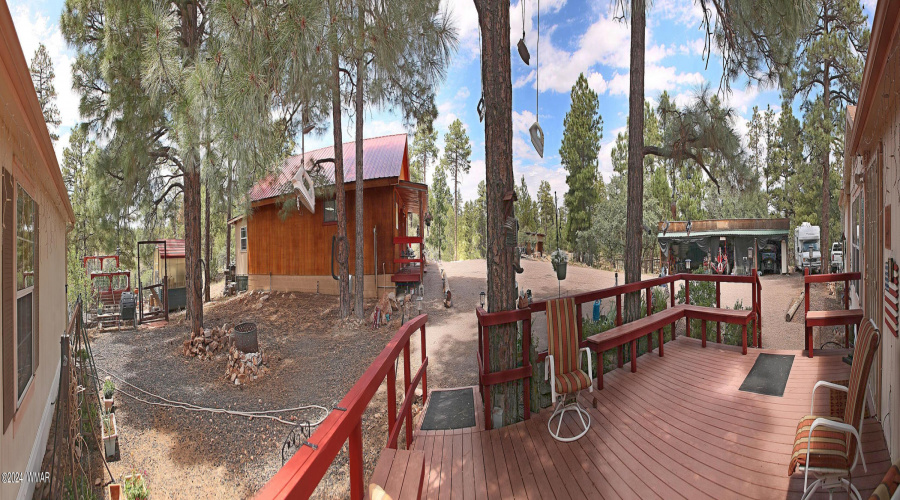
(214, 346)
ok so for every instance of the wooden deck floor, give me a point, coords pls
(678, 428)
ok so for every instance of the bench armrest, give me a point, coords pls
(828, 385)
(840, 426)
(587, 350)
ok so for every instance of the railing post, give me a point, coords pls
(649, 293)
(355, 456)
(425, 372)
(755, 305)
(718, 305)
(687, 301)
(406, 380)
(846, 306)
(392, 398)
(672, 302)
(620, 352)
(526, 357)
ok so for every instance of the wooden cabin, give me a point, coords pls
(284, 245)
(34, 215)
(869, 197)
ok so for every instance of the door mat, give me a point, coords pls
(452, 409)
(769, 374)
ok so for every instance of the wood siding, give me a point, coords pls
(300, 245)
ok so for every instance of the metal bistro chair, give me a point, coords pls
(829, 447)
(563, 366)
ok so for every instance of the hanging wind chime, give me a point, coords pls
(536, 132)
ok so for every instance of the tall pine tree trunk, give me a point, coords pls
(228, 226)
(825, 233)
(206, 249)
(493, 17)
(339, 192)
(190, 34)
(359, 271)
(635, 209)
(192, 235)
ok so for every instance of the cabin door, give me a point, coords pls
(873, 303)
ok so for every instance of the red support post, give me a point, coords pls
(620, 352)
(808, 331)
(719, 305)
(406, 379)
(392, 398)
(526, 357)
(649, 293)
(355, 453)
(672, 302)
(755, 303)
(702, 333)
(846, 306)
(687, 301)
(744, 339)
(424, 373)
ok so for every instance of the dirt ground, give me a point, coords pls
(315, 360)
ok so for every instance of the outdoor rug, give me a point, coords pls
(453, 409)
(769, 374)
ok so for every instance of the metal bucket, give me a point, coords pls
(244, 337)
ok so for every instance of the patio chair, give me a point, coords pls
(829, 447)
(563, 366)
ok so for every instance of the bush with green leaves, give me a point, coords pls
(79, 489)
(703, 293)
(109, 388)
(136, 488)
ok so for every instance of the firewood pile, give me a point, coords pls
(208, 342)
(242, 367)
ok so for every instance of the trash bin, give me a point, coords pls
(244, 337)
(242, 283)
(127, 306)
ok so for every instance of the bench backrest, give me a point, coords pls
(863, 355)
(562, 334)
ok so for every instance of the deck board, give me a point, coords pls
(678, 428)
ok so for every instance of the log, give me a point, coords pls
(792, 309)
(448, 296)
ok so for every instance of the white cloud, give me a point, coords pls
(32, 29)
(685, 12)
(597, 83)
(695, 47)
(605, 156)
(741, 99)
(656, 79)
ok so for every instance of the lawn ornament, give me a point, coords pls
(536, 132)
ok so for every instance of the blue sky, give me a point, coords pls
(576, 36)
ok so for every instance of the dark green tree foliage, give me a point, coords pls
(526, 209)
(578, 152)
(456, 162)
(81, 240)
(440, 201)
(42, 76)
(422, 152)
(832, 54)
(547, 216)
(785, 160)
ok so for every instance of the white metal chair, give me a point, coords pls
(830, 447)
(563, 366)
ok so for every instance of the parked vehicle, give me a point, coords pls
(806, 248)
(837, 257)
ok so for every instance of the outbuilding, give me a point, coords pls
(287, 241)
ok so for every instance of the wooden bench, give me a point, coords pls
(741, 317)
(841, 317)
(400, 473)
(629, 332)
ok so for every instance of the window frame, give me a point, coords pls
(325, 221)
(243, 239)
(22, 293)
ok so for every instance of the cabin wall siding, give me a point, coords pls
(300, 245)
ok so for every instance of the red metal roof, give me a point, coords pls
(173, 249)
(382, 158)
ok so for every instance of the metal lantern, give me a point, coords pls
(482, 297)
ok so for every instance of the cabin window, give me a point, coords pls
(244, 238)
(25, 281)
(329, 214)
(856, 235)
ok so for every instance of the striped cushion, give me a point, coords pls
(863, 355)
(827, 447)
(572, 382)
(562, 335)
(889, 484)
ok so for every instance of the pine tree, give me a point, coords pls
(42, 76)
(439, 200)
(424, 148)
(832, 54)
(77, 157)
(456, 161)
(547, 214)
(578, 152)
(786, 159)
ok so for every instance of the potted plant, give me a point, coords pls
(135, 487)
(109, 387)
(109, 434)
(560, 260)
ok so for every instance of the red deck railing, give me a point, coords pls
(486, 378)
(301, 474)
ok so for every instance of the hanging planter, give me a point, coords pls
(560, 260)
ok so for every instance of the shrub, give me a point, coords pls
(136, 488)
(109, 387)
